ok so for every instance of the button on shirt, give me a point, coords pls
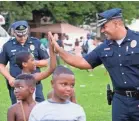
(121, 61)
(12, 47)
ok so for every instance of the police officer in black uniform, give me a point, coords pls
(120, 55)
(22, 42)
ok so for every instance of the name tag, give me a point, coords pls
(106, 48)
(13, 50)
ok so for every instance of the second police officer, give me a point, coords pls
(22, 42)
(120, 55)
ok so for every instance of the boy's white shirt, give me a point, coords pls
(51, 111)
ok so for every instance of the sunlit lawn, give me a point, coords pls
(90, 93)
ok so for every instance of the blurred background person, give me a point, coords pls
(77, 48)
(97, 41)
(90, 40)
(68, 45)
(44, 40)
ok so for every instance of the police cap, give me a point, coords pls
(20, 28)
(108, 15)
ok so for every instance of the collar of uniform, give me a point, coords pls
(128, 35)
(29, 41)
(127, 38)
(14, 41)
(109, 42)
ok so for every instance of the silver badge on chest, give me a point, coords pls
(32, 47)
(133, 43)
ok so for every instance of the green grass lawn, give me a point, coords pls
(90, 93)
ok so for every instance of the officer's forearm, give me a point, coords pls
(4, 71)
(42, 63)
(73, 60)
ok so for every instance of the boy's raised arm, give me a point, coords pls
(48, 72)
(11, 114)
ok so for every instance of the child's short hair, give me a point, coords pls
(21, 57)
(61, 70)
(27, 78)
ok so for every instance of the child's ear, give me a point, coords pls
(24, 64)
(32, 89)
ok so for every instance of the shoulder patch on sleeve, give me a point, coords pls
(34, 38)
(42, 47)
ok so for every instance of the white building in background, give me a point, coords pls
(134, 25)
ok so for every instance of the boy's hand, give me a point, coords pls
(53, 42)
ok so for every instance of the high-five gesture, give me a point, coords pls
(52, 39)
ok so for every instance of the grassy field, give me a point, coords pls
(90, 93)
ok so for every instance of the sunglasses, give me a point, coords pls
(20, 36)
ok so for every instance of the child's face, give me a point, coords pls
(63, 87)
(22, 90)
(30, 64)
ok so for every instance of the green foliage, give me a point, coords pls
(74, 12)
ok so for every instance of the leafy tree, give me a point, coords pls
(75, 12)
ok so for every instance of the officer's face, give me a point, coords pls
(21, 39)
(109, 30)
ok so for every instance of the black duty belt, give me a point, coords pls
(128, 93)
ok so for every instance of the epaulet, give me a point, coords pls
(135, 32)
(11, 39)
(34, 38)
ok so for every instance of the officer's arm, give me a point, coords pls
(48, 72)
(3, 62)
(73, 60)
(4, 71)
(42, 63)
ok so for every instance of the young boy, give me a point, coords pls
(24, 88)
(26, 62)
(59, 108)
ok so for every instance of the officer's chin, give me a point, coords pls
(22, 41)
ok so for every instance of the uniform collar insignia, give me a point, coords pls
(109, 42)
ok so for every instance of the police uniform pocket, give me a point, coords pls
(132, 56)
(107, 58)
(11, 55)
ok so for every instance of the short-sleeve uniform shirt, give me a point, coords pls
(121, 61)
